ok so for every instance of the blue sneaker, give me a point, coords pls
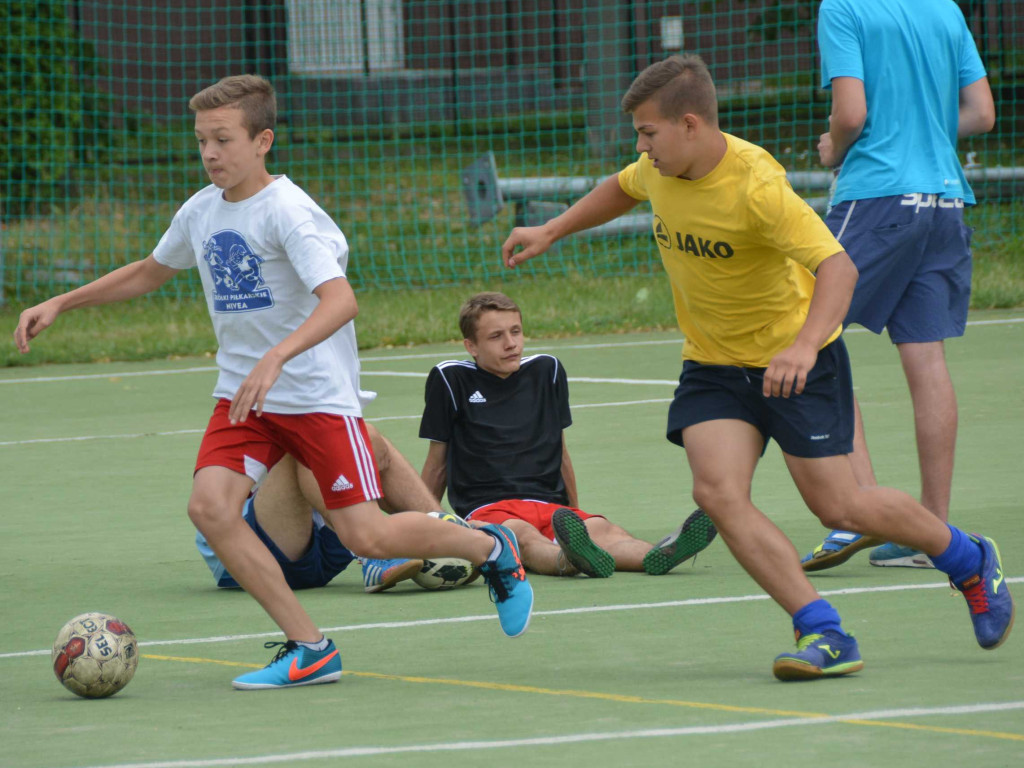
(826, 655)
(836, 549)
(894, 555)
(379, 575)
(506, 579)
(294, 665)
(988, 597)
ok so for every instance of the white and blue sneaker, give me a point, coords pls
(379, 575)
(506, 579)
(294, 665)
(896, 555)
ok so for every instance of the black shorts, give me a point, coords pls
(816, 423)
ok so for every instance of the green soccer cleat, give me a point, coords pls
(693, 536)
(580, 550)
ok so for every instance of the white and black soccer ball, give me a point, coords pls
(95, 655)
(445, 573)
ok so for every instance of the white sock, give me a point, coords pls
(498, 549)
(318, 646)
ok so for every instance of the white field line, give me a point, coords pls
(697, 601)
(580, 738)
(428, 356)
(176, 432)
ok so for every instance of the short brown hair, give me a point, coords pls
(252, 94)
(491, 301)
(681, 84)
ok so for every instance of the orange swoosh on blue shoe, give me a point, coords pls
(295, 673)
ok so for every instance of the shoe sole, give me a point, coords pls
(832, 559)
(580, 550)
(911, 561)
(693, 536)
(333, 677)
(789, 670)
(399, 573)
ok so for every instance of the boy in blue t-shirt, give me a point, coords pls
(906, 82)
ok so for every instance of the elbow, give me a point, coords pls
(849, 123)
(987, 119)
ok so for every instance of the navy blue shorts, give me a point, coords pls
(816, 423)
(325, 558)
(914, 257)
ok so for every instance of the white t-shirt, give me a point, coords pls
(260, 260)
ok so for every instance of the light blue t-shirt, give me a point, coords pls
(913, 58)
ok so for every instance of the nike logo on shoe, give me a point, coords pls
(295, 672)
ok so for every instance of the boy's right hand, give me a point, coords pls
(34, 321)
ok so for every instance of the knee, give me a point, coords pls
(713, 497)
(208, 516)
(365, 542)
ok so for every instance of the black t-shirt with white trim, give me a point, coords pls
(504, 436)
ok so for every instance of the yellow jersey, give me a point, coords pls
(740, 248)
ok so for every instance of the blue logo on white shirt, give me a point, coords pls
(238, 284)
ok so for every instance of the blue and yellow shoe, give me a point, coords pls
(826, 655)
(836, 549)
(379, 575)
(294, 665)
(988, 597)
(506, 580)
(693, 536)
(580, 550)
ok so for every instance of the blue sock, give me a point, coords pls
(814, 618)
(962, 558)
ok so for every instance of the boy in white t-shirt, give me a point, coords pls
(272, 265)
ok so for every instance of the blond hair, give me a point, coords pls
(680, 84)
(475, 306)
(252, 94)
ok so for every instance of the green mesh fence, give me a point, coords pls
(426, 128)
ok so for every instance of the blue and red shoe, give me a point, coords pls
(988, 596)
(294, 665)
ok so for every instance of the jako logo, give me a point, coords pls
(698, 246)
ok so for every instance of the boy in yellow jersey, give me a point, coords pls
(761, 288)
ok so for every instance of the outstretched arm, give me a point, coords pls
(603, 203)
(123, 283)
(337, 306)
(977, 110)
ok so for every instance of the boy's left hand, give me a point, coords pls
(787, 372)
(253, 391)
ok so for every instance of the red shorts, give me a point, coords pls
(536, 513)
(335, 448)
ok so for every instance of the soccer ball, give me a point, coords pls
(445, 573)
(95, 655)
(448, 517)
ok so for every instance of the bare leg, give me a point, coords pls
(283, 511)
(722, 455)
(370, 533)
(627, 550)
(539, 554)
(402, 485)
(830, 489)
(935, 421)
(860, 458)
(217, 496)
